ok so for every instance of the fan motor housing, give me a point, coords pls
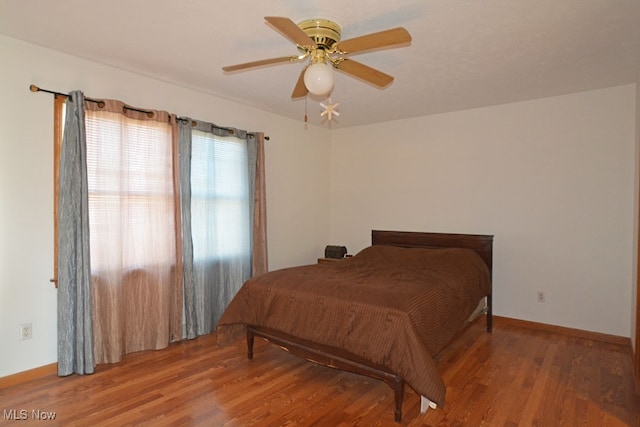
(324, 32)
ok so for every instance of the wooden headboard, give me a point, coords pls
(482, 244)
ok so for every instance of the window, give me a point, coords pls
(131, 191)
(140, 284)
(119, 153)
(219, 197)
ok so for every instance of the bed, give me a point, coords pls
(385, 312)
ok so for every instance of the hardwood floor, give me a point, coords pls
(515, 376)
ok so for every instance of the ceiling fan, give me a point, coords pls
(319, 41)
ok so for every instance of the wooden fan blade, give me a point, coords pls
(364, 72)
(260, 63)
(300, 90)
(382, 39)
(290, 30)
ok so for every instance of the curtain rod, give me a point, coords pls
(101, 104)
(231, 131)
(34, 88)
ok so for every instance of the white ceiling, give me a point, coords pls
(464, 54)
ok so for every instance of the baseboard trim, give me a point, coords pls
(31, 374)
(579, 333)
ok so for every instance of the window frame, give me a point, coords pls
(58, 128)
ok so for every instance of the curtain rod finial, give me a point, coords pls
(34, 88)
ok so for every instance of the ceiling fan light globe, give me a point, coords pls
(318, 79)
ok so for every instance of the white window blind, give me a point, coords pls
(131, 192)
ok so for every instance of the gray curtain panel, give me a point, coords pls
(75, 331)
(252, 159)
(211, 278)
(184, 144)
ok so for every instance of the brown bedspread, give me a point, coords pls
(396, 307)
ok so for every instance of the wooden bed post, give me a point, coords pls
(398, 392)
(250, 339)
(489, 313)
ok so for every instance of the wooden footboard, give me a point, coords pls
(331, 357)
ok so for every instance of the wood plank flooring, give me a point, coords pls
(515, 376)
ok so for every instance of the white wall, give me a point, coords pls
(552, 179)
(296, 163)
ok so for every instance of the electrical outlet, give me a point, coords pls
(541, 297)
(26, 331)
